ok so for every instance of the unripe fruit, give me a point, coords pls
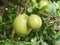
(34, 21)
(43, 3)
(20, 24)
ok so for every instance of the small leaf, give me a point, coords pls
(35, 5)
(30, 9)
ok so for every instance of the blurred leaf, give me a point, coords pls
(30, 9)
(58, 2)
(0, 19)
(7, 43)
(44, 43)
(58, 42)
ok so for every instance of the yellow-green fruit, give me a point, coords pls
(34, 21)
(20, 24)
(43, 3)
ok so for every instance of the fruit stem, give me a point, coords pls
(12, 34)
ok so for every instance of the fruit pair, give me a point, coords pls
(23, 23)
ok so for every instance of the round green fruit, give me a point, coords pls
(44, 6)
(43, 3)
(34, 21)
(20, 24)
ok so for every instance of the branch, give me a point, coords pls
(58, 28)
(26, 5)
(57, 20)
(17, 12)
(44, 14)
(51, 23)
(2, 41)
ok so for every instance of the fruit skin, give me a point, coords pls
(20, 24)
(34, 21)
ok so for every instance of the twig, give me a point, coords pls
(2, 41)
(13, 32)
(44, 14)
(17, 12)
(21, 11)
(51, 23)
(57, 20)
(51, 17)
(58, 28)
(26, 5)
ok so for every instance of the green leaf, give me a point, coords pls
(35, 5)
(30, 9)
(58, 2)
(44, 43)
(0, 19)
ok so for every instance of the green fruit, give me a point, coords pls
(44, 6)
(34, 21)
(20, 24)
(43, 3)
